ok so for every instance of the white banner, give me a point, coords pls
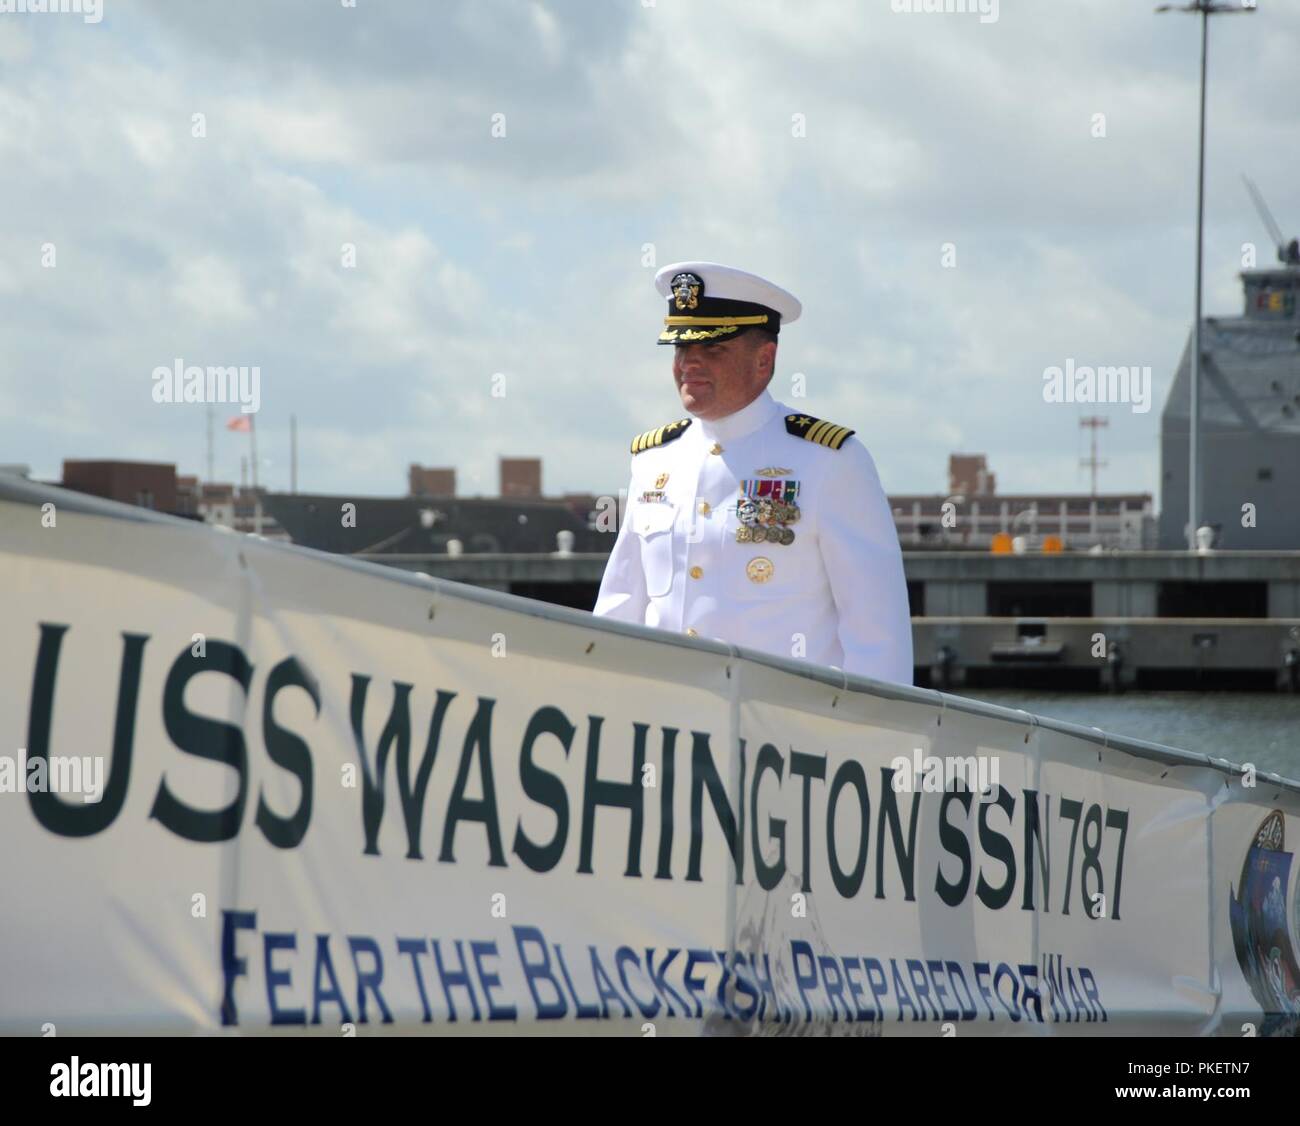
(247, 787)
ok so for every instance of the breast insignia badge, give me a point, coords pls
(759, 569)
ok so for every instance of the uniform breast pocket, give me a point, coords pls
(653, 524)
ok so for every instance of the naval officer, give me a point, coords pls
(748, 520)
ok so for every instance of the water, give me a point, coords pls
(1257, 727)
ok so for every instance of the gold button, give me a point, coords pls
(704, 508)
(691, 633)
(697, 572)
(717, 449)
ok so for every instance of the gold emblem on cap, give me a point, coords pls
(759, 569)
(686, 291)
(661, 480)
(772, 471)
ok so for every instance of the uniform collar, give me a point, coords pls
(745, 421)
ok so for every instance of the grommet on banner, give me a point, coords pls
(1105, 740)
(1033, 722)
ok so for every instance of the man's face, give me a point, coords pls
(715, 380)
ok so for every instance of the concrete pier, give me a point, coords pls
(1108, 620)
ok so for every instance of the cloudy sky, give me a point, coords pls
(835, 146)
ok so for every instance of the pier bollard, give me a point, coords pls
(1114, 668)
(944, 660)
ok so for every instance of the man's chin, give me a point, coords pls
(694, 404)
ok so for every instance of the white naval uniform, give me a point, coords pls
(839, 586)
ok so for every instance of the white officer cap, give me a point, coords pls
(708, 302)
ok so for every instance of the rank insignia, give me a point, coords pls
(817, 430)
(660, 436)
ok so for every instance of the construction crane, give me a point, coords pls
(1287, 252)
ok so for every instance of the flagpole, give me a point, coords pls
(252, 442)
(1205, 9)
(257, 496)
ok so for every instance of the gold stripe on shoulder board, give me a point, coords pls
(816, 432)
(660, 436)
(835, 439)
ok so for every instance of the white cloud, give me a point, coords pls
(668, 125)
(209, 289)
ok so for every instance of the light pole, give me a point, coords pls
(1206, 9)
(1031, 514)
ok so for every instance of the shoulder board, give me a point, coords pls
(660, 436)
(817, 430)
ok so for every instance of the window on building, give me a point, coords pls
(1039, 599)
(1219, 599)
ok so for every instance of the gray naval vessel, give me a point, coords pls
(1250, 415)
